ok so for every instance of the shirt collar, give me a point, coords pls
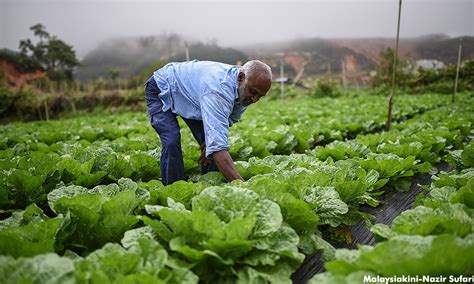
(236, 84)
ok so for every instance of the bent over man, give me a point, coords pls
(210, 97)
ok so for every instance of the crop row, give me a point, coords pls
(435, 238)
(87, 152)
(325, 119)
(273, 129)
(243, 231)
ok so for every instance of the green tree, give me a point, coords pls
(384, 70)
(113, 74)
(56, 57)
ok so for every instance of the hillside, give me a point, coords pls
(131, 56)
(438, 47)
(323, 55)
(212, 52)
(17, 70)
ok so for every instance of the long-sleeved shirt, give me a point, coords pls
(202, 90)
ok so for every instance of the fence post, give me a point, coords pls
(457, 70)
(187, 50)
(282, 89)
(395, 57)
(343, 67)
(46, 112)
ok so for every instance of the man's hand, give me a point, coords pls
(202, 159)
(226, 165)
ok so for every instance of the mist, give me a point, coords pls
(85, 24)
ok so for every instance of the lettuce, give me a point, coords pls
(31, 232)
(409, 255)
(141, 259)
(326, 202)
(453, 219)
(230, 234)
(44, 268)
(467, 156)
(98, 215)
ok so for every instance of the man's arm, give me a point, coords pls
(215, 115)
(226, 165)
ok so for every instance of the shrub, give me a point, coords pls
(327, 87)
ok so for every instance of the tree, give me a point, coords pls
(113, 74)
(384, 70)
(54, 56)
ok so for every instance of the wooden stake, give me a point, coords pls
(46, 108)
(343, 67)
(457, 70)
(187, 50)
(282, 83)
(395, 57)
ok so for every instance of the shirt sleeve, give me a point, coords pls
(215, 117)
(236, 114)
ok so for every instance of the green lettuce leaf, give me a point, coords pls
(410, 255)
(44, 268)
(30, 233)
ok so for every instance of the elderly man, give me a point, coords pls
(210, 97)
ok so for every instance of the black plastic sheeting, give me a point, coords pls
(393, 204)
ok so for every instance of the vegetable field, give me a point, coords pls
(81, 199)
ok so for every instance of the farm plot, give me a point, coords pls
(82, 198)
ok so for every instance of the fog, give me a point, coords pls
(84, 24)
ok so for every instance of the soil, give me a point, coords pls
(17, 79)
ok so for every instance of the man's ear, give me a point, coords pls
(241, 77)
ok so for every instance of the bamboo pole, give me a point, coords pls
(187, 50)
(457, 70)
(46, 113)
(73, 104)
(343, 68)
(282, 89)
(395, 57)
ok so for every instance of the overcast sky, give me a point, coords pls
(85, 23)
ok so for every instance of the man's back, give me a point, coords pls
(182, 85)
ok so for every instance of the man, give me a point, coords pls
(210, 97)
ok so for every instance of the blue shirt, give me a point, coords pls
(202, 90)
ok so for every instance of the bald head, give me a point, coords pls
(255, 79)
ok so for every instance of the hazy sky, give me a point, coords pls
(85, 23)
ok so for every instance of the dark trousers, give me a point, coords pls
(167, 127)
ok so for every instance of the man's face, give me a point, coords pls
(252, 89)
